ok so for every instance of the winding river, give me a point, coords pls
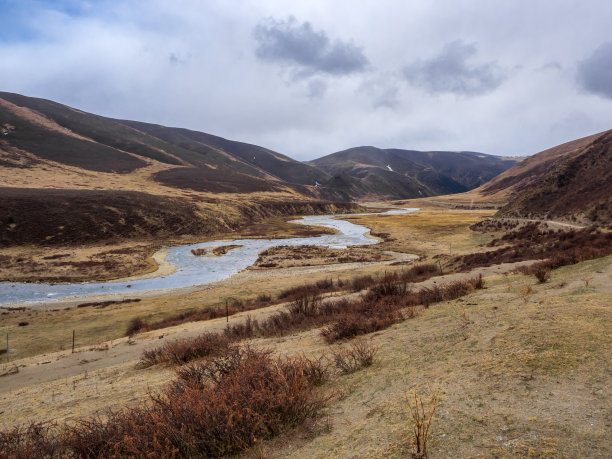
(194, 270)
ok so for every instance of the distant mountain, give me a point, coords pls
(369, 172)
(571, 181)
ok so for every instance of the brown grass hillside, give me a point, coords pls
(578, 187)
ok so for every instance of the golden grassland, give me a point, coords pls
(50, 329)
(431, 231)
(517, 375)
(521, 368)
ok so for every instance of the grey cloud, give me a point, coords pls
(552, 65)
(311, 51)
(316, 89)
(450, 72)
(595, 72)
(382, 91)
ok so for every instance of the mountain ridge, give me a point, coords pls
(51, 131)
(399, 174)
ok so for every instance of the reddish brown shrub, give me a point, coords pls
(136, 325)
(214, 409)
(35, 440)
(358, 355)
(541, 273)
(185, 350)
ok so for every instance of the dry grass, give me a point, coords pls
(309, 255)
(531, 379)
(431, 231)
(212, 409)
(421, 424)
(518, 375)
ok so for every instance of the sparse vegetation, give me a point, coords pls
(560, 248)
(309, 255)
(182, 351)
(212, 409)
(421, 424)
(358, 355)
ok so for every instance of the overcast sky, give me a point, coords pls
(307, 78)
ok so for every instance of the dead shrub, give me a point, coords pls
(214, 409)
(241, 331)
(525, 291)
(136, 325)
(361, 283)
(356, 324)
(34, 440)
(358, 355)
(182, 351)
(541, 273)
(421, 424)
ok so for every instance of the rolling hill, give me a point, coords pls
(70, 177)
(370, 172)
(107, 179)
(571, 182)
(69, 136)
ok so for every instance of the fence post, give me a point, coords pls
(73, 341)
(226, 312)
(7, 349)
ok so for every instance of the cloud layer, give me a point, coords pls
(595, 72)
(311, 78)
(451, 72)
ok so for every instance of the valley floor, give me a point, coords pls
(520, 368)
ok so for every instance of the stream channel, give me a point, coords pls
(195, 270)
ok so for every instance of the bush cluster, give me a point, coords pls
(212, 409)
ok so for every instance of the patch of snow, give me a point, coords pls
(389, 167)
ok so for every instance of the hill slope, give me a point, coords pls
(59, 133)
(400, 174)
(530, 170)
(573, 181)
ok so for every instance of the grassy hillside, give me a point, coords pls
(577, 186)
(534, 167)
(252, 156)
(54, 131)
(520, 368)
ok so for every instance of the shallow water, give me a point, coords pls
(195, 270)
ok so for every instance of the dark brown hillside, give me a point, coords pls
(220, 180)
(402, 174)
(70, 217)
(50, 142)
(57, 217)
(578, 186)
(534, 167)
(66, 135)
